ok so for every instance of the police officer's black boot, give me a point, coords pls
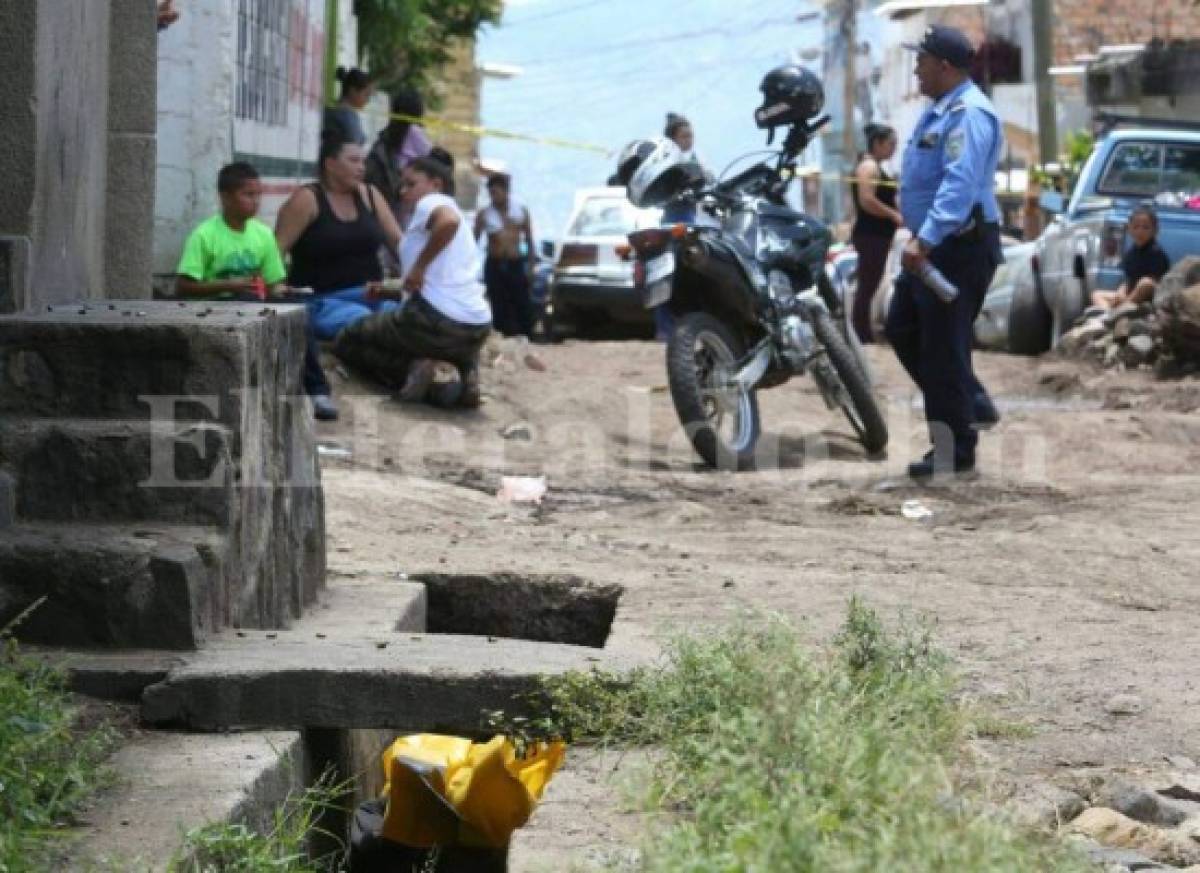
(931, 465)
(986, 414)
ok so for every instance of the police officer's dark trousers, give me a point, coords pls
(932, 339)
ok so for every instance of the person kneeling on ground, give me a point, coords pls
(446, 315)
(1144, 264)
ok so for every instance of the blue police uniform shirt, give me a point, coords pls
(950, 163)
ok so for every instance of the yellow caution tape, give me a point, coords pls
(477, 130)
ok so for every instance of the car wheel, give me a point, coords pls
(557, 325)
(1072, 300)
(1029, 321)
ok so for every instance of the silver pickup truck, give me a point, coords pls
(1080, 252)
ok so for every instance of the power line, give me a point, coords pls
(555, 14)
(654, 41)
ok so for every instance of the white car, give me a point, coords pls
(592, 284)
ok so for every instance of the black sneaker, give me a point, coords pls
(984, 411)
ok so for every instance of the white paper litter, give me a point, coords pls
(522, 489)
(915, 510)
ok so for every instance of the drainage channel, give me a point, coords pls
(561, 609)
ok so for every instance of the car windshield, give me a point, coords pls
(604, 216)
(1161, 171)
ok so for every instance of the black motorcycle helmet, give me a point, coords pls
(790, 94)
(631, 158)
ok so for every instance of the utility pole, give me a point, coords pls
(850, 33)
(1043, 58)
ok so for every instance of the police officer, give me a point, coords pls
(948, 201)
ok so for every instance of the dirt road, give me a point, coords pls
(1064, 576)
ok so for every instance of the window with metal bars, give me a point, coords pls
(262, 60)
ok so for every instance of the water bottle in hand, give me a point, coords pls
(935, 280)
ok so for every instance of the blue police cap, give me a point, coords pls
(947, 43)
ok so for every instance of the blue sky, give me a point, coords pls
(607, 71)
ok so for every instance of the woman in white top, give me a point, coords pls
(446, 316)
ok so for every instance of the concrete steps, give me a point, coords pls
(111, 359)
(175, 439)
(155, 586)
(108, 469)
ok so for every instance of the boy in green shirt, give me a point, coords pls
(233, 255)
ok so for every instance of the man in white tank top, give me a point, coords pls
(507, 271)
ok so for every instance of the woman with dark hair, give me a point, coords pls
(874, 194)
(399, 144)
(333, 229)
(679, 130)
(341, 121)
(445, 317)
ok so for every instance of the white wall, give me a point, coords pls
(295, 143)
(196, 76)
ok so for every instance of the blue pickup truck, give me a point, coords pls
(1081, 250)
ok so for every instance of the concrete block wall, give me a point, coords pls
(54, 63)
(76, 152)
(129, 193)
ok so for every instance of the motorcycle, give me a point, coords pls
(753, 306)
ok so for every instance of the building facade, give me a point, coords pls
(240, 80)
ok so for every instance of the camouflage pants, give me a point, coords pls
(381, 346)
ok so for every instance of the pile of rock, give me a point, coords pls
(1165, 334)
(1123, 337)
(1122, 826)
(1177, 303)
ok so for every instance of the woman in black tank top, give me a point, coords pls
(874, 193)
(333, 230)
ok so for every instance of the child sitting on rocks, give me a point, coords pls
(1144, 264)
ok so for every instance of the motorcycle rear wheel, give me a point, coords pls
(722, 421)
(858, 402)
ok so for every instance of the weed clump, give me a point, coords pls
(233, 847)
(48, 764)
(773, 757)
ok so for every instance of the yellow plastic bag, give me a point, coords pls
(445, 791)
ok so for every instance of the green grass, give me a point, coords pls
(223, 847)
(48, 764)
(776, 758)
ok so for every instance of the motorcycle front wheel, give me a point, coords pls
(720, 418)
(856, 400)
